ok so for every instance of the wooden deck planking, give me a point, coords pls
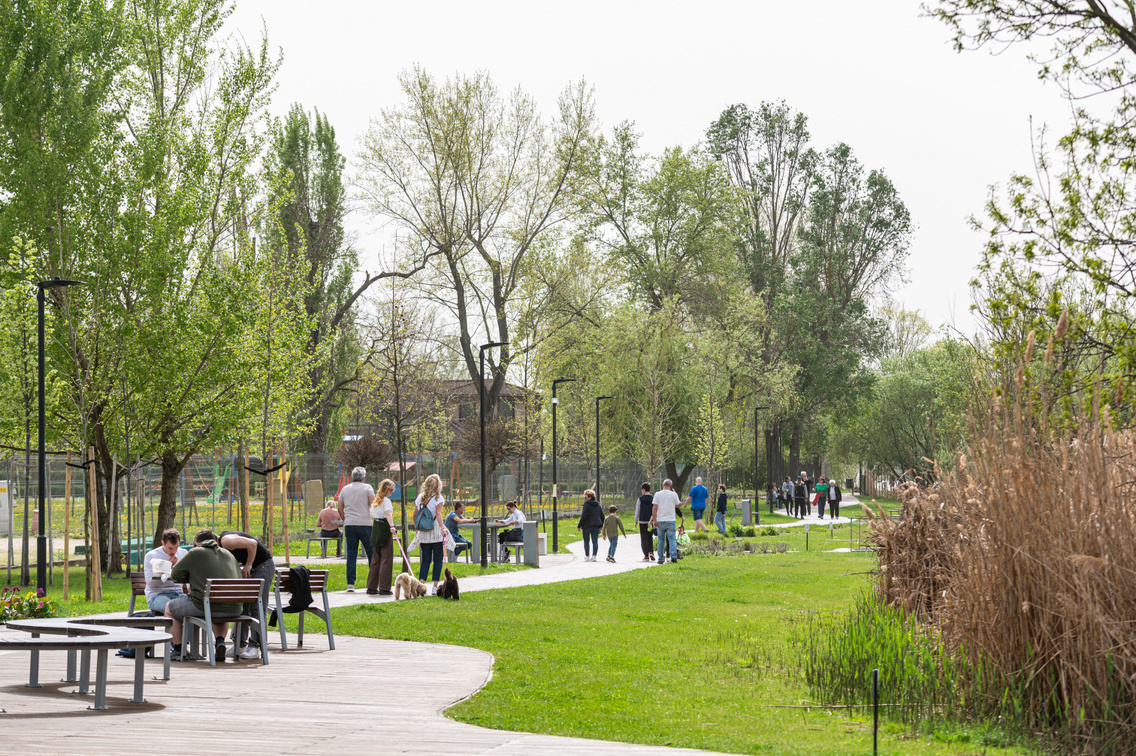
(306, 701)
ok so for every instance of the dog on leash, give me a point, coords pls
(449, 588)
(408, 586)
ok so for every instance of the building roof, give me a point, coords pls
(469, 388)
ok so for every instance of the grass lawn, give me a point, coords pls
(696, 654)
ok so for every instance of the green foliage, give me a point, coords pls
(749, 532)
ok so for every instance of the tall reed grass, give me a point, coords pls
(1008, 589)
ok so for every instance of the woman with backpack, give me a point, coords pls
(427, 508)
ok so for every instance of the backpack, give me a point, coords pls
(424, 519)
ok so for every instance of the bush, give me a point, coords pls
(13, 606)
(735, 530)
(750, 532)
(770, 531)
(781, 547)
(699, 536)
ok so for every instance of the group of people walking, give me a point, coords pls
(800, 496)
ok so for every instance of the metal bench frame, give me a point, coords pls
(283, 583)
(227, 591)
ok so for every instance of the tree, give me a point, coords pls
(480, 182)
(1062, 238)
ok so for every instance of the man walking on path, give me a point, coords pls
(697, 501)
(800, 496)
(663, 517)
(355, 510)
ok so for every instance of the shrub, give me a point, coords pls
(770, 531)
(781, 547)
(735, 530)
(699, 536)
(13, 606)
(763, 547)
(750, 532)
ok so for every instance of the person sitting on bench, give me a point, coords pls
(328, 521)
(453, 520)
(160, 590)
(205, 561)
(515, 534)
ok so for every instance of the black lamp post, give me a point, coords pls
(484, 483)
(598, 398)
(555, 490)
(41, 537)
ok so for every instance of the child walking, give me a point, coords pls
(612, 527)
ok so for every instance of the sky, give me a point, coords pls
(944, 126)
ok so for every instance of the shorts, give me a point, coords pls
(697, 513)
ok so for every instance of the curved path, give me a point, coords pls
(367, 696)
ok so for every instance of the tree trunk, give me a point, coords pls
(679, 478)
(167, 502)
(795, 448)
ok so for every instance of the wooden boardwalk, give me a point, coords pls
(367, 696)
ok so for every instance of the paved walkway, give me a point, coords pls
(367, 696)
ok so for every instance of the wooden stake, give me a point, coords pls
(285, 474)
(66, 524)
(93, 560)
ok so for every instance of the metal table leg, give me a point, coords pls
(85, 671)
(139, 675)
(101, 680)
(167, 652)
(33, 671)
(72, 660)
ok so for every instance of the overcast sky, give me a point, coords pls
(944, 126)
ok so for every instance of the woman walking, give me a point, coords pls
(591, 520)
(643, 519)
(821, 495)
(382, 542)
(430, 538)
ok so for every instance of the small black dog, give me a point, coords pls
(449, 587)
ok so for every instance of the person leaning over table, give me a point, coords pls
(205, 561)
(255, 561)
(382, 542)
(160, 590)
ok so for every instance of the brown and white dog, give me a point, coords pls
(408, 586)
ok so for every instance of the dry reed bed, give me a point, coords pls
(1023, 560)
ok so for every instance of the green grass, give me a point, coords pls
(696, 654)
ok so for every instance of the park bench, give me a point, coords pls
(79, 634)
(318, 583)
(338, 540)
(227, 591)
(138, 589)
(529, 544)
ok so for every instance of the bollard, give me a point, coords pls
(875, 712)
(806, 536)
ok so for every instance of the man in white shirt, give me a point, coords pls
(663, 517)
(355, 510)
(515, 534)
(160, 590)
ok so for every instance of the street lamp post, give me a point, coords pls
(555, 490)
(598, 398)
(484, 483)
(769, 468)
(41, 537)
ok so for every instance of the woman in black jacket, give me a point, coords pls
(643, 510)
(591, 520)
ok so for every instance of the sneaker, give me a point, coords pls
(386, 593)
(372, 592)
(611, 559)
(350, 587)
(219, 651)
(248, 653)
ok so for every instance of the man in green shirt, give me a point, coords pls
(204, 561)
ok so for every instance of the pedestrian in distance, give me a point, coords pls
(382, 542)
(664, 510)
(834, 497)
(612, 527)
(720, 511)
(643, 519)
(697, 501)
(800, 497)
(820, 495)
(787, 496)
(591, 522)
(355, 502)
